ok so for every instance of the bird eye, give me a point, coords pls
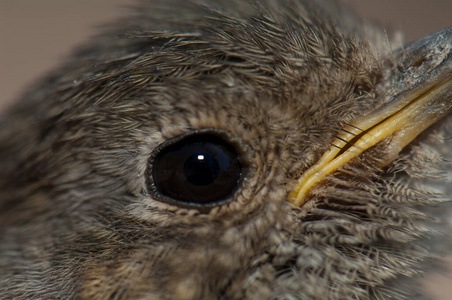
(196, 170)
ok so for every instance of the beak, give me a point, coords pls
(416, 93)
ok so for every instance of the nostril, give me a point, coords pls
(418, 62)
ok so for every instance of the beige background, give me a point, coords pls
(36, 34)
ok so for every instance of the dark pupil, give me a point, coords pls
(199, 170)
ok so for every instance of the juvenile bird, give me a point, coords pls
(267, 149)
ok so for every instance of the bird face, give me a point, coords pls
(234, 151)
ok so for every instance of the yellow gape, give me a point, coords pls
(402, 120)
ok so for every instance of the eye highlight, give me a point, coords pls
(201, 170)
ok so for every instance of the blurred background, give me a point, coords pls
(36, 35)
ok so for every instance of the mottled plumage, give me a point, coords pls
(278, 80)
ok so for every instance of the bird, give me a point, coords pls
(266, 149)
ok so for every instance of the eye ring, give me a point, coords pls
(201, 169)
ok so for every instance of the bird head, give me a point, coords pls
(227, 151)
